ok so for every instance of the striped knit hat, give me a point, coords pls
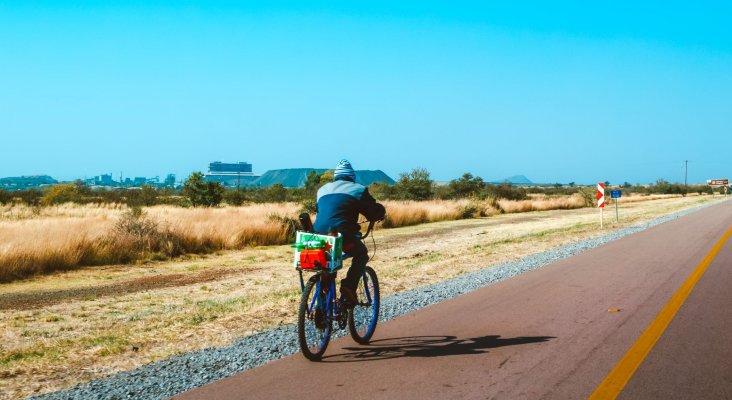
(344, 170)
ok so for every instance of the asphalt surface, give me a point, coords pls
(553, 333)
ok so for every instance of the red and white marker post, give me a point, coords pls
(601, 201)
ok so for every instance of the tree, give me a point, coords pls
(414, 185)
(466, 186)
(571, 184)
(312, 183)
(66, 193)
(146, 196)
(202, 193)
(382, 191)
(326, 177)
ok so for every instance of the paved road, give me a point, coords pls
(545, 334)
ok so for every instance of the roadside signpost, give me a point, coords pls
(616, 194)
(601, 201)
(718, 183)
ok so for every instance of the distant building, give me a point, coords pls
(169, 181)
(104, 180)
(139, 181)
(231, 174)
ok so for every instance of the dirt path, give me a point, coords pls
(43, 298)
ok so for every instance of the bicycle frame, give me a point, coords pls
(331, 305)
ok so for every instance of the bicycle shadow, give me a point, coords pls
(428, 346)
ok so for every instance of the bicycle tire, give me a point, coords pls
(313, 329)
(362, 318)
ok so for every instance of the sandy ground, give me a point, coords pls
(66, 328)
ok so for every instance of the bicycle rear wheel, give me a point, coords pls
(313, 324)
(362, 319)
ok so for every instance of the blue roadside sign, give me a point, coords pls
(615, 194)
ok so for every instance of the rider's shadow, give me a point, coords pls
(428, 346)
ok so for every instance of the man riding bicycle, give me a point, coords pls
(339, 204)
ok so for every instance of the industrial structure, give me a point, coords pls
(231, 174)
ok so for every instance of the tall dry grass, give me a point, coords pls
(541, 203)
(408, 213)
(40, 240)
(230, 227)
(34, 241)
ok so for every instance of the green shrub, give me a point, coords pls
(202, 193)
(309, 206)
(414, 185)
(66, 193)
(235, 197)
(506, 191)
(466, 186)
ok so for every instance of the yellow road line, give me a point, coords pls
(616, 380)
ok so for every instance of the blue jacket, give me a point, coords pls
(339, 204)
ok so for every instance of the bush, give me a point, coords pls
(414, 185)
(290, 225)
(312, 183)
(202, 193)
(145, 196)
(589, 196)
(309, 206)
(235, 197)
(135, 236)
(466, 186)
(506, 191)
(382, 191)
(273, 194)
(6, 197)
(66, 193)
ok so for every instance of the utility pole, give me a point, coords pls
(686, 175)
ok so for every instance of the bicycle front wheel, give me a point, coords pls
(362, 319)
(313, 323)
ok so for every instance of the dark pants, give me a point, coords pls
(360, 255)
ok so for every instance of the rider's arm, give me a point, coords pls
(368, 206)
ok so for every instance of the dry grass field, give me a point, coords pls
(68, 327)
(37, 240)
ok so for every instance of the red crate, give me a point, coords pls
(311, 259)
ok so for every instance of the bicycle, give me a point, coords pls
(320, 308)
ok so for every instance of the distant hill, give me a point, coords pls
(516, 180)
(296, 177)
(26, 182)
(368, 177)
(292, 177)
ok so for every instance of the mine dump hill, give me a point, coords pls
(22, 182)
(296, 177)
(515, 180)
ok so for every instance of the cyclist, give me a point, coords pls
(339, 204)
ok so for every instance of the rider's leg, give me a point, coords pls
(360, 258)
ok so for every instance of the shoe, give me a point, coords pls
(349, 297)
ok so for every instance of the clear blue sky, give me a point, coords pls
(583, 91)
